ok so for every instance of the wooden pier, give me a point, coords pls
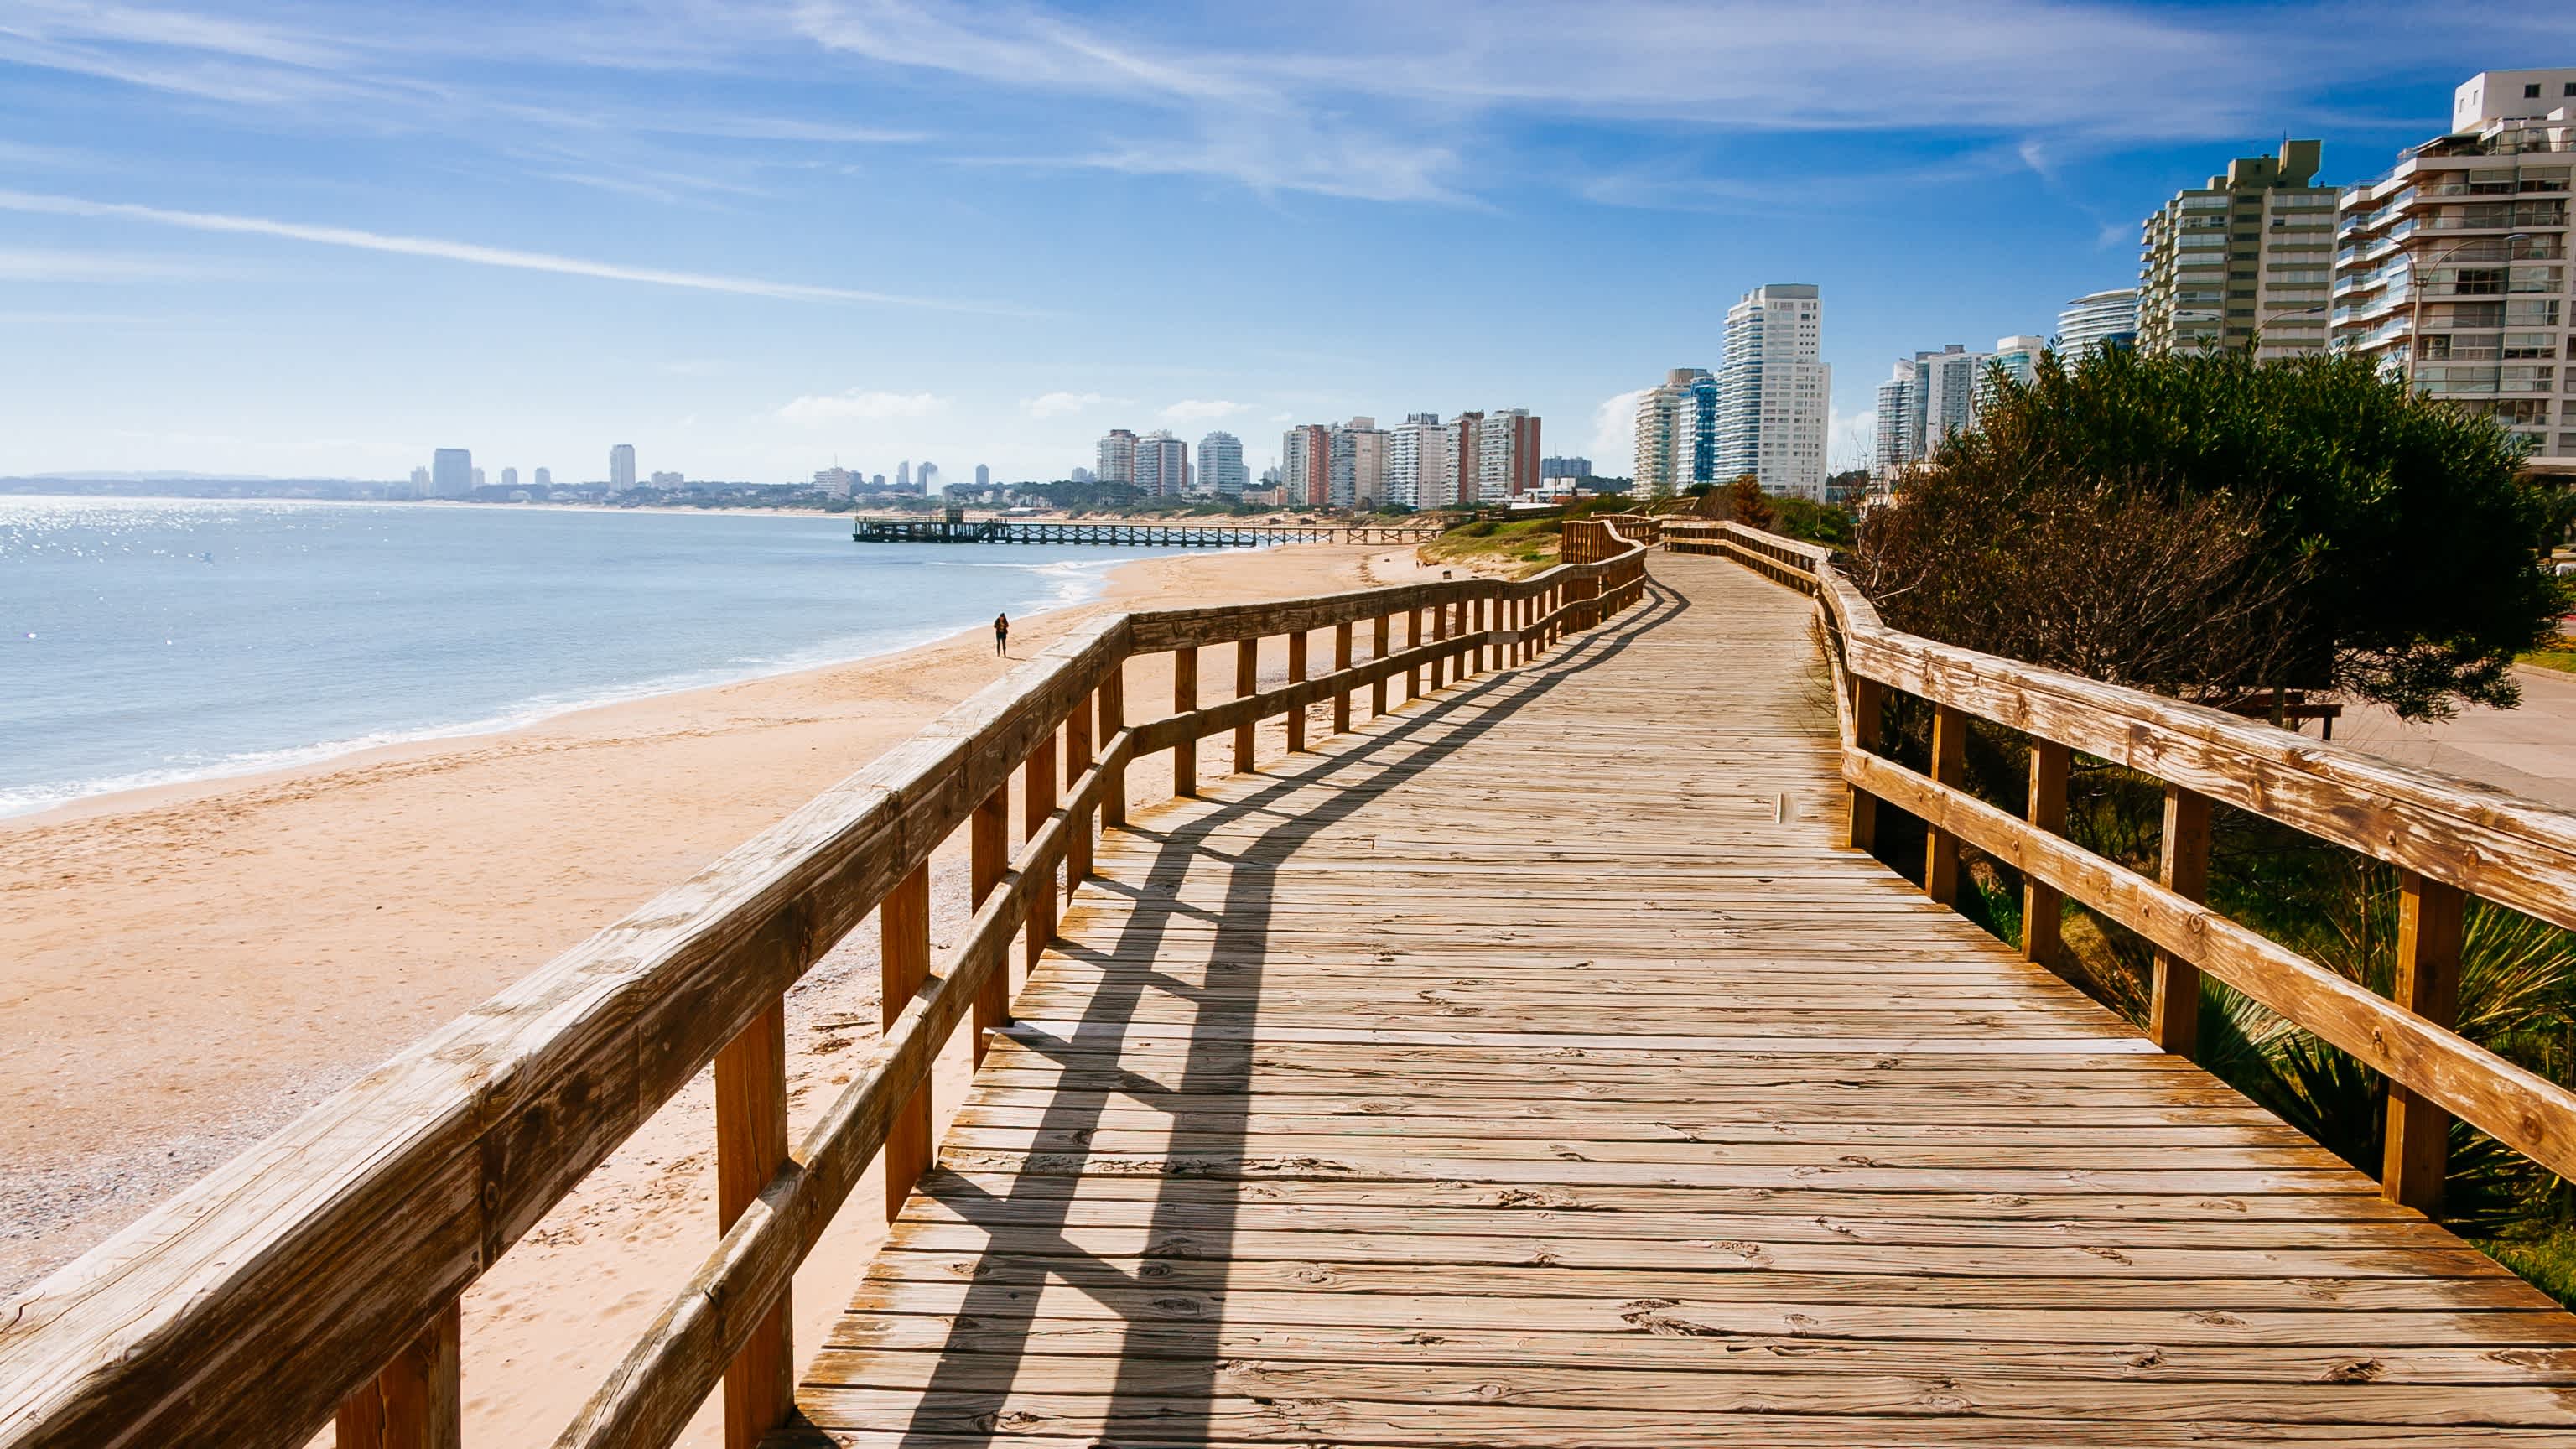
(1115, 534)
(1485, 1026)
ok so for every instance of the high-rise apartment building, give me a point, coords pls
(1569, 467)
(1895, 445)
(1162, 465)
(1931, 396)
(1117, 457)
(2015, 359)
(1507, 453)
(983, 475)
(1356, 475)
(903, 476)
(1420, 471)
(1221, 469)
(621, 468)
(925, 479)
(509, 477)
(1306, 465)
(2454, 269)
(1775, 393)
(451, 473)
(1676, 433)
(478, 477)
(419, 484)
(2098, 319)
(2242, 260)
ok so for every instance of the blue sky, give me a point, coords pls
(320, 239)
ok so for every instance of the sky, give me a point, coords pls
(753, 239)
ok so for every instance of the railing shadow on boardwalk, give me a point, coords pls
(1163, 1301)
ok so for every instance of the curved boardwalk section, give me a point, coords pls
(1533, 1067)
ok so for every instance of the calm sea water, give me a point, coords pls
(148, 641)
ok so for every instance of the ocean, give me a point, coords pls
(149, 641)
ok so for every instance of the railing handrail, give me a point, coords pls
(2462, 837)
(243, 1310)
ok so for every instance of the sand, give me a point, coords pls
(184, 970)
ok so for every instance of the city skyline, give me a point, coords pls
(319, 241)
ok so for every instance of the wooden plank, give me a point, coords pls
(1297, 675)
(2041, 905)
(1037, 809)
(1380, 636)
(1113, 718)
(2430, 919)
(1949, 767)
(988, 854)
(751, 1145)
(1247, 683)
(2173, 1016)
(1342, 665)
(1185, 699)
(1079, 756)
(903, 967)
(417, 1401)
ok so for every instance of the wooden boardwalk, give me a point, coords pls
(1533, 1068)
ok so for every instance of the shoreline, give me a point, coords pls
(325, 754)
(191, 966)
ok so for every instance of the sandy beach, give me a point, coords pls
(187, 969)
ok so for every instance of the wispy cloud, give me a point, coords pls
(1061, 404)
(1202, 410)
(468, 252)
(60, 266)
(861, 404)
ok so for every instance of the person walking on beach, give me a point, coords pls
(1002, 635)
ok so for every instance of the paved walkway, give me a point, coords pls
(1533, 1069)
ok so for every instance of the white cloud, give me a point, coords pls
(1283, 417)
(1851, 441)
(1614, 435)
(1061, 404)
(341, 236)
(58, 266)
(1203, 410)
(842, 406)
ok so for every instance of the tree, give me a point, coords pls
(2207, 519)
(1752, 505)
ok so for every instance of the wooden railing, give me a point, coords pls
(320, 1273)
(2448, 839)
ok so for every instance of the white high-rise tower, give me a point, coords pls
(1775, 394)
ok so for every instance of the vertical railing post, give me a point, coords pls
(2173, 1011)
(2041, 906)
(1247, 682)
(1949, 766)
(751, 1145)
(1413, 632)
(1341, 663)
(1078, 756)
(1185, 700)
(417, 1401)
(1379, 639)
(1440, 635)
(1296, 676)
(1113, 718)
(2431, 918)
(903, 964)
(988, 854)
(1869, 705)
(1037, 802)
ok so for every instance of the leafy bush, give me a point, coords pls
(2361, 536)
